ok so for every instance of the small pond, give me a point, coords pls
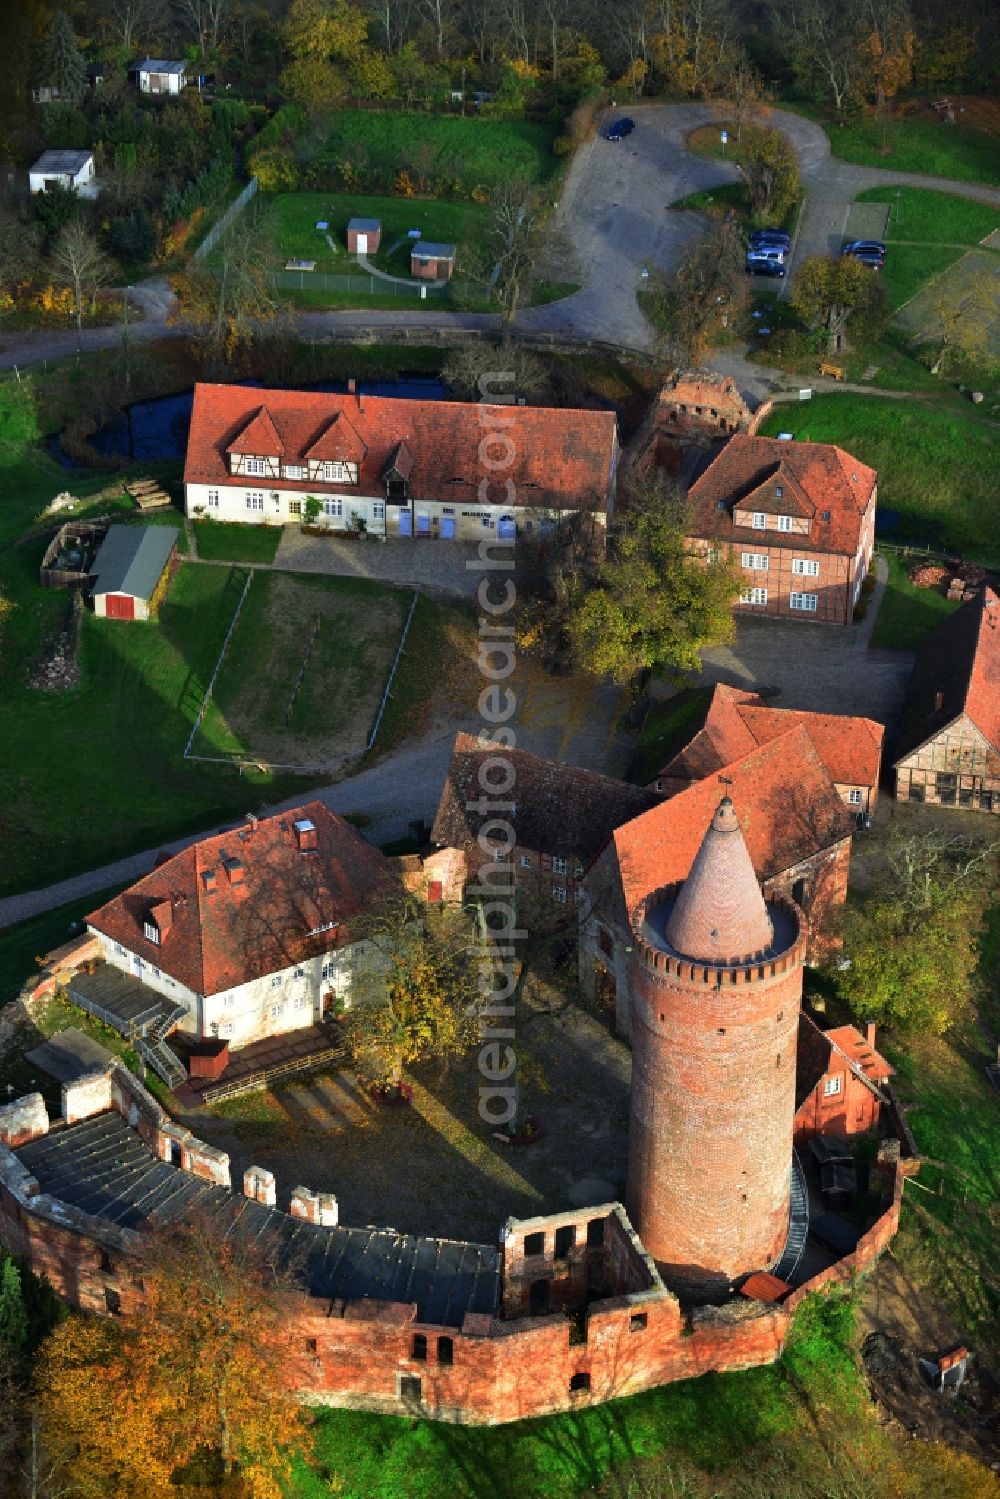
(158, 429)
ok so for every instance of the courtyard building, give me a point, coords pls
(948, 751)
(798, 519)
(736, 722)
(388, 466)
(251, 933)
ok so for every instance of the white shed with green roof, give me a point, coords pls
(128, 569)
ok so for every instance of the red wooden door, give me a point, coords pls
(119, 606)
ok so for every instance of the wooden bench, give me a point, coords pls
(833, 370)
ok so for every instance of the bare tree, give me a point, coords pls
(79, 263)
(468, 369)
(824, 44)
(132, 20)
(512, 247)
(205, 19)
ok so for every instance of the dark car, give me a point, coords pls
(619, 129)
(765, 263)
(864, 247)
(761, 238)
(870, 258)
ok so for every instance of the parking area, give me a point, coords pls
(437, 565)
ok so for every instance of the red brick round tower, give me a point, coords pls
(716, 987)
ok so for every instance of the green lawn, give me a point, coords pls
(461, 154)
(707, 141)
(666, 729)
(718, 201)
(231, 541)
(913, 144)
(712, 1422)
(907, 612)
(292, 218)
(932, 217)
(937, 467)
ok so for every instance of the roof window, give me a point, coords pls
(305, 834)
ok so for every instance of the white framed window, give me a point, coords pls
(151, 932)
(276, 981)
(784, 522)
(559, 894)
(294, 471)
(334, 473)
(255, 499)
(226, 1029)
(330, 968)
(229, 1000)
(558, 866)
(295, 507)
(807, 602)
(121, 951)
(333, 508)
(255, 465)
(854, 797)
(759, 520)
(753, 596)
(757, 561)
(301, 1002)
(378, 510)
(779, 490)
(213, 499)
(832, 1085)
(277, 1010)
(803, 568)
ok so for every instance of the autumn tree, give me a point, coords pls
(19, 243)
(964, 309)
(325, 38)
(79, 263)
(770, 169)
(823, 43)
(497, 372)
(203, 1370)
(62, 65)
(656, 603)
(227, 307)
(415, 992)
(913, 945)
(700, 298)
(741, 82)
(832, 295)
(508, 251)
(886, 49)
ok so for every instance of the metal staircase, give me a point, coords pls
(157, 1054)
(798, 1224)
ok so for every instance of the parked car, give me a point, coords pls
(870, 258)
(766, 260)
(864, 247)
(762, 238)
(619, 129)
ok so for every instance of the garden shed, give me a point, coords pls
(364, 236)
(431, 262)
(158, 75)
(73, 170)
(129, 569)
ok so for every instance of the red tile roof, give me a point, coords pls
(241, 904)
(737, 722)
(562, 459)
(848, 1040)
(820, 1052)
(762, 1286)
(957, 671)
(818, 479)
(788, 807)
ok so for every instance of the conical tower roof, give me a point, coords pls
(719, 915)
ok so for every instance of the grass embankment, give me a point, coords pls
(937, 469)
(907, 612)
(913, 143)
(927, 231)
(665, 730)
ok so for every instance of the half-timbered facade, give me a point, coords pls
(949, 741)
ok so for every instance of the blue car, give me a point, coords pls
(619, 129)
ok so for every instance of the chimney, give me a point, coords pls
(870, 1034)
(938, 701)
(252, 822)
(305, 835)
(352, 386)
(234, 869)
(209, 881)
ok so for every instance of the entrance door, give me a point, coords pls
(507, 528)
(119, 606)
(362, 244)
(448, 527)
(423, 524)
(404, 523)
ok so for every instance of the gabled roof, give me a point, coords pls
(251, 901)
(789, 810)
(558, 809)
(158, 65)
(426, 249)
(259, 436)
(562, 459)
(131, 559)
(819, 1052)
(737, 721)
(68, 162)
(823, 476)
(957, 671)
(779, 492)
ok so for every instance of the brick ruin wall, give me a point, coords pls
(367, 1354)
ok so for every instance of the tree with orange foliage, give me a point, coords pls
(227, 307)
(199, 1373)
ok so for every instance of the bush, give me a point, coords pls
(275, 170)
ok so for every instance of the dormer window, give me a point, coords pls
(759, 520)
(294, 471)
(255, 465)
(784, 522)
(334, 473)
(151, 932)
